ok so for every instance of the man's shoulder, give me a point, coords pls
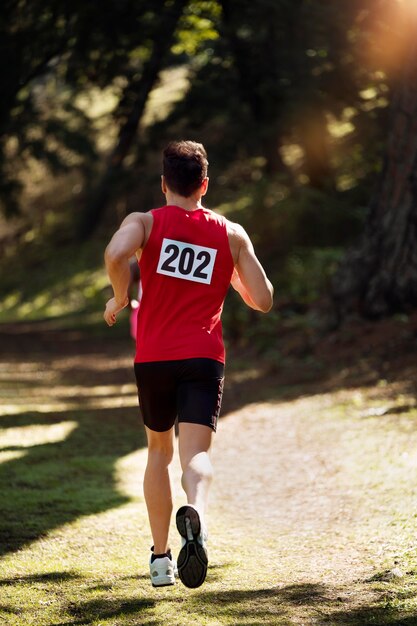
(212, 214)
(140, 222)
(138, 216)
(235, 230)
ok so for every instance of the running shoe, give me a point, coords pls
(192, 560)
(162, 569)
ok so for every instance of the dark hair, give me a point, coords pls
(184, 166)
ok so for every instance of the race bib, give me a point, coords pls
(186, 261)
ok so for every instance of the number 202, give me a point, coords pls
(185, 262)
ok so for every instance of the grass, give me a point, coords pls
(53, 282)
(338, 547)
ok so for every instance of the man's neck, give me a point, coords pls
(188, 204)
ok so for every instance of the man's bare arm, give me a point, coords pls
(124, 244)
(249, 278)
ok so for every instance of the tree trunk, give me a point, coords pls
(161, 45)
(314, 137)
(265, 111)
(380, 276)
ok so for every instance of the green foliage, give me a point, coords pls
(281, 222)
(292, 120)
(299, 282)
(54, 278)
(197, 29)
(306, 273)
(50, 55)
(272, 68)
(300, 239)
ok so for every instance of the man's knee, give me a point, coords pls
(163, 452)
(160, 446)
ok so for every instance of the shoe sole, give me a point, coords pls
(192, 560)
(168, 584)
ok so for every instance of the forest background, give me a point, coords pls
(307, 109)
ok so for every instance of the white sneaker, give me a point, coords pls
(192, 559)
(162, 570)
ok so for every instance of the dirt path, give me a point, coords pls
(320, 498)
(315, 485)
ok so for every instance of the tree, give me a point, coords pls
(32, 36)
(136, 95)
(50, 52)
(294, 65)
(379, 276)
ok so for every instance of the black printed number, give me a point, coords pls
(204, 257)
(174, 251)
(186, 261)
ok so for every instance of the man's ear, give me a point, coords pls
(204, 186)
(163, 184)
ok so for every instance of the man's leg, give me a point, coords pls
(157, 486)
(194, 448)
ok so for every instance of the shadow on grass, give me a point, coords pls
(55, 483)
(49, 577)
(371, 615)
(259, 606)
(306, 603)
(104, 609)
(288, 605)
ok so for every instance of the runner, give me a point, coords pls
(188, 257)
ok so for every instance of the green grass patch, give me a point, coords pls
(53, 282)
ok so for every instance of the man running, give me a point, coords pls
(188, 256)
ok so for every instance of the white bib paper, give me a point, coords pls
(186, 261)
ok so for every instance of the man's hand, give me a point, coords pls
(112, 309)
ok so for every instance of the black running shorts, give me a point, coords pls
(190, 389)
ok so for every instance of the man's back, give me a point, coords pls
(186, 267)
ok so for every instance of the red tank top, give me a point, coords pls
(186, 267)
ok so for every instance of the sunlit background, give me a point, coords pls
(291, 101)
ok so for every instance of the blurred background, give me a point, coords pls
(307, 109)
